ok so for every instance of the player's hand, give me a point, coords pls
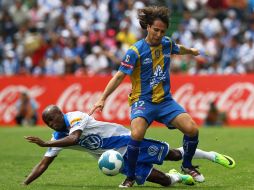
(98, 105)
(195, 51)
(36, 140)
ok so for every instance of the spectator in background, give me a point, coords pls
(185, 36)
(230, 52)
(246, 53)
(78, 25)
(19, 13)
(55, 65)
(210, 25)
(37, 15)
(249, 33)
(7, 27)
(232, 23)
(97, 62)
(10, 63)
(189, 22)
(26, 110)
(234, 68)
(27, 25)
(125, 35)
(214, 117)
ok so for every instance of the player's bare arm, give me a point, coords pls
(70, 140)
(112, 85)
(39, 169)
(184, 50)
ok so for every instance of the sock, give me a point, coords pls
(200, 154)
(132, 152)
(175, 178)
(189, 146)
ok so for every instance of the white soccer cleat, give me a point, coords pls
(184, 179)
(192, 171)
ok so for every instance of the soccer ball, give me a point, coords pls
(111, 162)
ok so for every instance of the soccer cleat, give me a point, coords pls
(127, 183)
(224, 160)
(192, 171)
(185, 179)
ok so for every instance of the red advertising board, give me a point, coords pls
(233, 94)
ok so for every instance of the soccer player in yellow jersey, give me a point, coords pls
(147, 63)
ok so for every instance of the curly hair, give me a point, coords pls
(148, 15)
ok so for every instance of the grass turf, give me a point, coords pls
(78, 170)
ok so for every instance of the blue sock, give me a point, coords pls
(132, 153)
(189, 146)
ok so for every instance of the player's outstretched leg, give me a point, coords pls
(213, 156)
(180, 178)
(168, 179)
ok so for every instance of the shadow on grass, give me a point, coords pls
(96, 186)
(178, 187)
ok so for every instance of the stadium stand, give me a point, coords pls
(44, 37)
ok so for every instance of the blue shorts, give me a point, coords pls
(163, 112)
(151, 152)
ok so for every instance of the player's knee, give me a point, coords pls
(191, 129)
(193, 132)
(174, 155)
(137, 136)
(138, 133)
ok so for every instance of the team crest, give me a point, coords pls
(157, 53)
(91, 142)
(153, 150)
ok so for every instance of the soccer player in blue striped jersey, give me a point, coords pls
(147, 63)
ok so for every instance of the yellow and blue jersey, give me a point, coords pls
(148, 67)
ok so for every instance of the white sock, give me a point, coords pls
(200, 154)
(175, 178)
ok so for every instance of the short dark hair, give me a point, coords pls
(50, 111)
(148, 15)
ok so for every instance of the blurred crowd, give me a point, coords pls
(88, 37)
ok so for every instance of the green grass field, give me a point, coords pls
(78, 170)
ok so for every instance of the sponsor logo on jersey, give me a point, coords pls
(157, 53)
(138, 112)
(126, 65)
(158, 76)
(91, 142)
(152, 150)
(75, 120)
(147, 61)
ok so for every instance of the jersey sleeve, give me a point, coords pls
(175, 48)
(129, 61)
(52, 151)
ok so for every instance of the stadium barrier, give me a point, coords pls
(234, 94)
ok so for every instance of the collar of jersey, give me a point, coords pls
(67, 123)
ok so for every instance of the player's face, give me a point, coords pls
(56, 122)
(155, 32)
